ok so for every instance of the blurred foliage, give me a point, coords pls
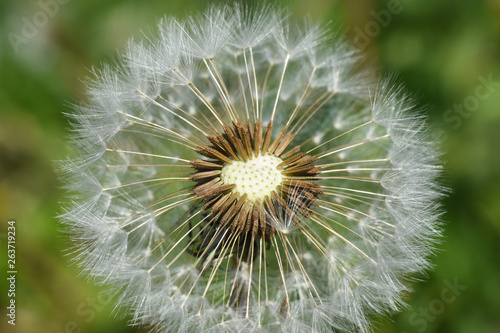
(442, 50)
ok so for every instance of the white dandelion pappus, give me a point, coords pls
(235, 175)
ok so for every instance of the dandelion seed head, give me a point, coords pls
(235, 172)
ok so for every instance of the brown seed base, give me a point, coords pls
(292, 198)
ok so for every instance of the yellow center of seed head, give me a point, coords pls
(257, 177)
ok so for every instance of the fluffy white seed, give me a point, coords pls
(330, 260)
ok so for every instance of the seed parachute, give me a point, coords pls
(238, 172)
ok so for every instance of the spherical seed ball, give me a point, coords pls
(182, 139)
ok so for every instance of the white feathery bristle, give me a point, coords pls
(338, 209)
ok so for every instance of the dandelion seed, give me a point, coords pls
(234, 174)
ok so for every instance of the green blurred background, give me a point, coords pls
(444, 51)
